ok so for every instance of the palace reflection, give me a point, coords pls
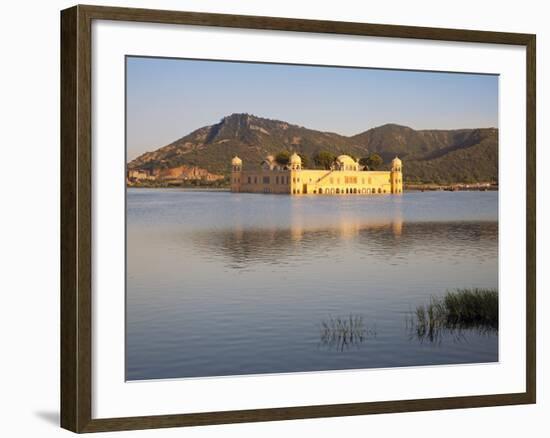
(381, 239)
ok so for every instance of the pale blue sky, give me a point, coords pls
(169, 98)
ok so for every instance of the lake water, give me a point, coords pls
(222, 283)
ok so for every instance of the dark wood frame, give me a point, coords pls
(76, 238)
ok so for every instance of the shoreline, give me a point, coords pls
(407, 188)
(454, 187)
(191, 188)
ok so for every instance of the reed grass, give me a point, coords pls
(457, 310)
(477, 307)
(343, 332)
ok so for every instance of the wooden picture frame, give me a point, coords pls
(76, 217)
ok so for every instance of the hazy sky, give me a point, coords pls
(169, 98)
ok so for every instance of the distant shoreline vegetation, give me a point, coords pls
(166, 184)
(482, 187)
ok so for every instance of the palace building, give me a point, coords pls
(344, 177)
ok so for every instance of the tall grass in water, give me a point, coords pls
(457, 310)
(474, 307)
(341, 333)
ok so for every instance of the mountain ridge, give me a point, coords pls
(429, 155)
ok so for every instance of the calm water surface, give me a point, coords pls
(224, 284)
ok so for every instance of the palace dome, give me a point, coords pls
(345, 162)
(345, 159)
(236, 161)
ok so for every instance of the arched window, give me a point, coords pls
(337, 191)
(320, 191)
(379, 190)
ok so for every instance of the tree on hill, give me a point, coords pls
(373, 161)
(324, 159)
(305, 161)
(282, 158)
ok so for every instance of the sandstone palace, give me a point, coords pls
(344, 177)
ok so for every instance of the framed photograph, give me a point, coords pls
(269, 218)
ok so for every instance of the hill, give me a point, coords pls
(463, 155)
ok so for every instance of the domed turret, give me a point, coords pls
(236, 164)
(396, 164)
(295, 161)
(236, 173)
(295, 158)
(396, 176)
(269, 163)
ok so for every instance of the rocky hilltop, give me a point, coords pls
(440, 156)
